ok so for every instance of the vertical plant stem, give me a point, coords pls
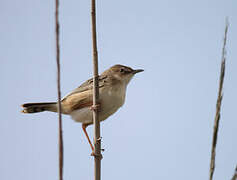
(218, 106)
(97, 139)
(60, 138)
(235, 174)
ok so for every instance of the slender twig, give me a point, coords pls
(60, 138)
(97, 139)
(235, 174)
(218, 106)
(234, 177)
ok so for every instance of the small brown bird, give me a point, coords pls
(112, 90)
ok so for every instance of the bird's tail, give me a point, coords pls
(39, 107)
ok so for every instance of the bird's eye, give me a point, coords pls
(122, 70)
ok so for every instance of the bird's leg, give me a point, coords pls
(84, 126)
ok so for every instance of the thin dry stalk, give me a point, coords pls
(218, 106)
(60, 138)
(97, 139)
(235, 174)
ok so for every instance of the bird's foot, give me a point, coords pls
(95, 107)
(98, 156)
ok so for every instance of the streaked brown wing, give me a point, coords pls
(81, 96)
(77, 101)
(88, 85)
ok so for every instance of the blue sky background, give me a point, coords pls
(163, 131)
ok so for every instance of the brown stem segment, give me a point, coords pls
(235, 174)
(60, 138)
(97, 142)
(218, 107)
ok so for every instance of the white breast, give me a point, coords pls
(111, 100)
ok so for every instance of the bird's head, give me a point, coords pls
(122, 73)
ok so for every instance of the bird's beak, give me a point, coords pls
(137, 71)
